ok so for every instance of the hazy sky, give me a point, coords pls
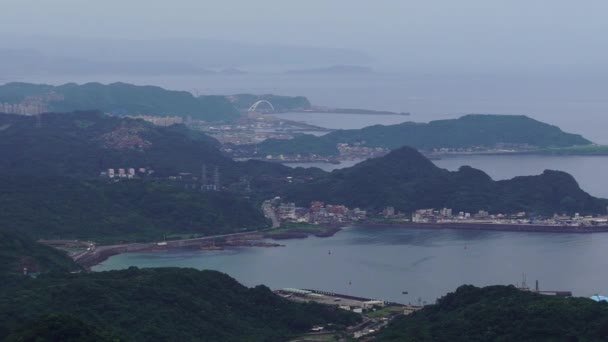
(444, 34)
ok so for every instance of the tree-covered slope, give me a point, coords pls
(465, 132)
(407, 180)
(164, 305)
(502, 313)
(64, 208)
(18, 251)
(85, 143)
(64, 328)
(122, 98)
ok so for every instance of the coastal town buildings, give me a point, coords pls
(317, 213)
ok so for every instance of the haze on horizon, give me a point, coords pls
(439, 36)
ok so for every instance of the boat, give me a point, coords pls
(404, 292)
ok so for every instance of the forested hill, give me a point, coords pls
(50, 177)
(501, 313)
(129, 210)
(119, 98)
(162, 304)
(407, 180)
(18, 251)
(86, 143)
(466, 132)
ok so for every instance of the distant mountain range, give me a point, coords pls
(469, 131)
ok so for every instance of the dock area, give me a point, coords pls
(343, 301)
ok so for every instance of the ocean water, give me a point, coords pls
(383, 262)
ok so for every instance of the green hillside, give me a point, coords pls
(62, 328)
(122, 98)
(18, 251)
(502, 313)
(407, 180)
(163, 304)
(50, 177)
(466, 132)
(81, 144)
(61, 208)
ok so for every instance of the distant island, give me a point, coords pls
(468, 134)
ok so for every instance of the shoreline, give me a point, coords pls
(488, 227)
(102, 253)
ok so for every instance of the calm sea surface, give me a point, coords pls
(383, 262)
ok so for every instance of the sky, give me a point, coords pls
(442, 34)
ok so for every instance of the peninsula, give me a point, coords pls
(468, 134)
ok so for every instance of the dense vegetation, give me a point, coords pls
(466, 132)
(501, 313)
(82, 144)
(158, 305)
(51, 185)
(127, 210)
(18, 251)
(64, 328)
(280, 103)
(122, 98)
(85, 143)
(407, 180)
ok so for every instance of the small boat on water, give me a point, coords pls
(404, 292)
